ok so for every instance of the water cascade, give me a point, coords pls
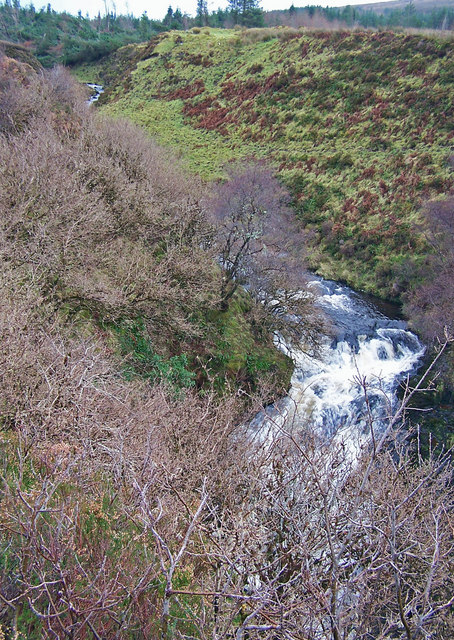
(97, 90)
(365, 347)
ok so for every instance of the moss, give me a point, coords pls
(243, 353)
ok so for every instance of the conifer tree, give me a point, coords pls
(168, 17)
(202, 13)
(246, 12)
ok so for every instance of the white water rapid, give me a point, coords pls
(326, 393)
(97, 90)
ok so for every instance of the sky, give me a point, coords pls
(158, 8)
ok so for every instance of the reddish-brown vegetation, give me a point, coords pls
(184, 93)
(129, 510)
(431, 304)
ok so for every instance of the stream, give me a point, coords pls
(326, 392)
(97, 90)
(368, 346)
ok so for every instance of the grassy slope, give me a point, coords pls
(359, 125)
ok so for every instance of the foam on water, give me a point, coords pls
(97, 91)
(366, 347)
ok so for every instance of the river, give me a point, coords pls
(351, 383)
(365, 349)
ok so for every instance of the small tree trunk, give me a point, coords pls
(165, 615)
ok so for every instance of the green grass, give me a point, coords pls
(234, 351)
(141, 359)
(356, 124)
(200, 151)
(238, 352)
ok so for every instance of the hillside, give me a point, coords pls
(66, 39)
(94, 220)
(147, 491)
(417, 5)
(357, 125)
(62, 38)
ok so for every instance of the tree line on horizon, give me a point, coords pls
(439, 18)
(61, 38)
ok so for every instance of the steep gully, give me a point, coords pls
(366, 349)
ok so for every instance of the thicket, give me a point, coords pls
(60, 37)
(114, 230)
(67, 39)
(128, 510)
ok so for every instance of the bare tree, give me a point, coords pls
(430, 304)
(249, 210)
(260, 246)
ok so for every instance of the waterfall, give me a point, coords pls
(364, 347)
